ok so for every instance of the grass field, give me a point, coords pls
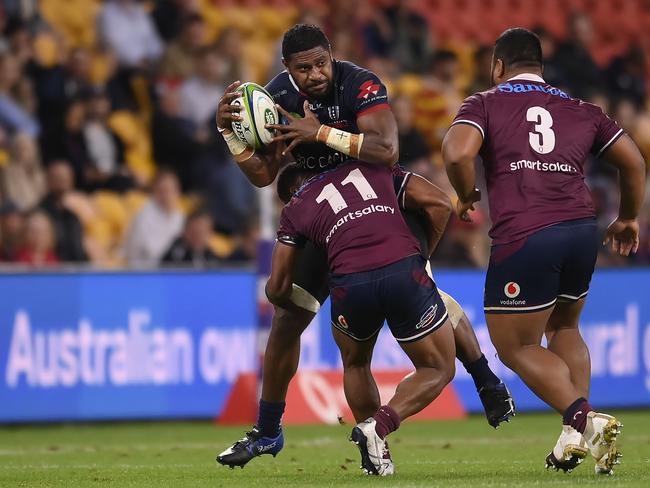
(181, 454)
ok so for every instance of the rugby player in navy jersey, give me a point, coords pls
(377, 273)
(533, 140)
(333, 110)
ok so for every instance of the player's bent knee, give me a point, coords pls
(290, 323)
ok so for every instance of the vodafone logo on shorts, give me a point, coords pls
(342, 322)
(512, 289)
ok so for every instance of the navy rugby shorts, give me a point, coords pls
(532, 274)
(402, 293)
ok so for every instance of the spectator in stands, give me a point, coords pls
(20, 42)
(230, 46)
(38, 244)
(411, 41)
(182, 54)
(156, 226)
(176, 141)
(192, 248)
(200, 94)
(126, 28)
(482, 70)
(67, 142)
(581, 73)
(439, 98)
(12, 226)
(56, 85)
(168, 15)
(553, 73)
(105, 164)
(67, 227)
(22, 180)
(626, 76)
(13, 116)
(414, 150)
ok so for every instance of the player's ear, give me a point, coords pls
(498, 71)
(285, 62)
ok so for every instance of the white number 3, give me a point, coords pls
(542, 140)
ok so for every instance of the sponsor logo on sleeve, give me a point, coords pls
(367, 89)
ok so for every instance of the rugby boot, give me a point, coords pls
(253, 444)
(375, 458)
(601, 434)
(498, 403)
(569, 451)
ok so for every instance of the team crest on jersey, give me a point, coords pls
(512, 289)
(367, 89)
(342, 322)
(334, 112)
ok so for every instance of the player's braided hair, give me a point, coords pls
(518, 47)
(303, 37)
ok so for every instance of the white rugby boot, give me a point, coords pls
(375, 458)
(569, 451)
(601, 434)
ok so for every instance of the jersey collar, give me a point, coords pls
(527, 77)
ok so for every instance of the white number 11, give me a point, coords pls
(334, 197)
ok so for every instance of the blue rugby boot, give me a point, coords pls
(250, 446)
(498, 404)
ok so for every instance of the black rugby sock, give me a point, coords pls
(481, 373)
(269, 417)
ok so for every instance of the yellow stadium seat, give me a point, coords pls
(75, 20)
(133, 202)
(221, 245)
(111, 209)
(131, 131)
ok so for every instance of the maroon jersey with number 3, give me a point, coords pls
(352, 212)
(535, 142)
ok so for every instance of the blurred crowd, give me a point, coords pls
(108, 152)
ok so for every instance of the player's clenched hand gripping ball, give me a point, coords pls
(256, 110)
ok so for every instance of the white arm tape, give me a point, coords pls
(304, 299)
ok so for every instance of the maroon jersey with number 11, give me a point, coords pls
(352, 212)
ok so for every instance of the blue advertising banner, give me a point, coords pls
(615, 325)
(89, 346)
(114, 346)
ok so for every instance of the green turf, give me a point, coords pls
(460, 453)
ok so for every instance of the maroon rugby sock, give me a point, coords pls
(387, 421)
(576, 414)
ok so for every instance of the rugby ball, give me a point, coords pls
(257, 109)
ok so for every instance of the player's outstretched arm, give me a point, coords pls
(459, 150)
(423, 196)
(377, 141)
(261, 169)
(623, 233)
(280, 285)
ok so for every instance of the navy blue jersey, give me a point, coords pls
(356, 92)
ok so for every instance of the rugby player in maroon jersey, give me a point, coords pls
(533, 140)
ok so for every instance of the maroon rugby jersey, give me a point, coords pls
(351, 212)
(535, 143)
